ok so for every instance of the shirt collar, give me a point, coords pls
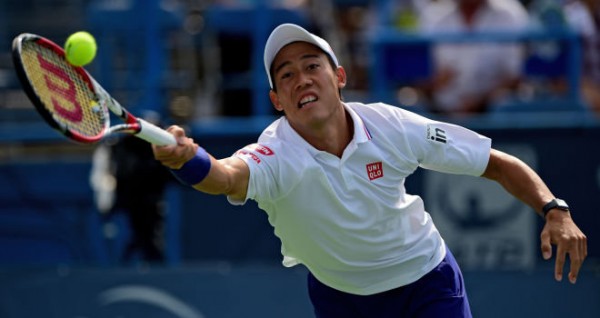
(361, 132)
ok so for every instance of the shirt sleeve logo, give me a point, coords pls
(375, 170)
(254, 151)
(244, 153)
(436, 134)
(263, 150)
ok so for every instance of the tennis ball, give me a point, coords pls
(80, 48)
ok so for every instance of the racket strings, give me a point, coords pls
(64, 93)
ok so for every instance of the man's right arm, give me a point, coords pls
(228, 176)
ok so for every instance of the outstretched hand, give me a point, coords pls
(174, 156)
(560, 230)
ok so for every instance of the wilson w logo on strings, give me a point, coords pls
(68, 93)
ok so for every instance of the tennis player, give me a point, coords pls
(330, 175)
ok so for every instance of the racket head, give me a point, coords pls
(63, 94)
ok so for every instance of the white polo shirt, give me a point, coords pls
(349, 220)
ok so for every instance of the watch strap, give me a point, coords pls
(554, 204)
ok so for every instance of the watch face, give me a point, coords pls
(561, 204)
(555, 204)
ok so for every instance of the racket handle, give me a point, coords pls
(154, 134)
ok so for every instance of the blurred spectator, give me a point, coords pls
(584, 17)
(126, 179)
(431, 9)
(469, 77)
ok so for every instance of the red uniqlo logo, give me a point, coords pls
(375, 170)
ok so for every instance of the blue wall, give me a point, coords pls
(223, 291)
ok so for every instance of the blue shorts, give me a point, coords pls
(440, 293)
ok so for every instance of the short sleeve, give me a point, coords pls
(454, 149)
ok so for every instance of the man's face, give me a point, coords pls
(307, 86)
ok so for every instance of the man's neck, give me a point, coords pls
(333, 137)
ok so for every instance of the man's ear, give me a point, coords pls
(275, 100)
(341, 77)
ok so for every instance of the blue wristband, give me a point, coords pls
(195, 170)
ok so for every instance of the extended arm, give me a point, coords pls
(228, 176)
(523, 183)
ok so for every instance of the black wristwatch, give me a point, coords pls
(555, 204)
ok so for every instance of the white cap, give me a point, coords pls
(287, 33)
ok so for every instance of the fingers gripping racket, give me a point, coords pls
(69, 98)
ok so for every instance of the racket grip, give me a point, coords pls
(155, 135)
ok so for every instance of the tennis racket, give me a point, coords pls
(69, 98)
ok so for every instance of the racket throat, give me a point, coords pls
(132, 123)
(129, 128)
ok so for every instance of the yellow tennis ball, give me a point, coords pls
(80, 48)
